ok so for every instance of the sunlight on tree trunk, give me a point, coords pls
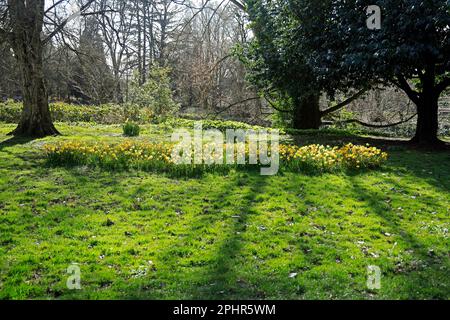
(28, 47)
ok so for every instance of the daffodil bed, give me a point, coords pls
(158, 157)
(326, 158)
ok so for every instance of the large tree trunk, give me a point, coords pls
(307, 113)
(427, 122)
(35, 120)
(427, 110)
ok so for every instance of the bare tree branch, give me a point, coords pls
(234, 104)
(404, 85)
(370, 125)
(60, 27)
(343, 103)
(55, 4)
(238, 4)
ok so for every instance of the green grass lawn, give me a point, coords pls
(235, 236)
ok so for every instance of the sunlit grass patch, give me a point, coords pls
(239, 235)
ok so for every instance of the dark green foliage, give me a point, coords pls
(411, 50)
(277, 64)
(272, 56)
(344, 52)
(131, 129)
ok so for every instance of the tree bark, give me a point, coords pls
(307, 113)
(427, 110)
(427, 122)
(28, 48)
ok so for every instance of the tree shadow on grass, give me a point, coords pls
(14, 141)
(221, 275)
(434, 168)
(217, 278)
(24, 158)
(209, 272)
(430, 276)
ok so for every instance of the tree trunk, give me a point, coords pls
(307, 113)
(427, 121)
(27, 45)
(427, 110)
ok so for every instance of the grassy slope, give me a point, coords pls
(227, 237)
